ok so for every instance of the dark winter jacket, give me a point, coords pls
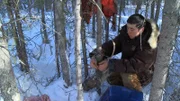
(138, 54)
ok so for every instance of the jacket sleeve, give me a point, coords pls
(141, 61)
(108, 46)
(106, 50)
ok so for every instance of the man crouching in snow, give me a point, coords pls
(137, 41)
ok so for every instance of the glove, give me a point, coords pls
(98, 54)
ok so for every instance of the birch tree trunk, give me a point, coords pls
(8, 88)
(165, 48)
(77, 50)
(60, 31)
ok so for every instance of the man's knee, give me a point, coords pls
(131, 81)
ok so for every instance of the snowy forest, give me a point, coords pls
(45, 46)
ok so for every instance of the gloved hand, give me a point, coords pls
(98, 55)
(98, 59)
(102, 66)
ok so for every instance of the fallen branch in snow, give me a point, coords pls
(50, 80)
(44, 97)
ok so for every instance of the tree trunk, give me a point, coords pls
(113, 27)
(147, 8)
(77, 50)
(60, 12)
(29, 7)
(166, 43)
(127, 2)
(57, 48)
(8, 88)
(138, 3)
(94, 26)
(99, 24)
(157, 10)
(99, 32)
(152, 9)
(73, 3)
(2, 33)
(60, 31)
(14, 30)
(107, 30)
(45, 36)
(48, 4)
(84, 49)
(119, 20)
(24, 59)
(148, 3)
(18, 39)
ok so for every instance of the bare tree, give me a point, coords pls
(148, 4)
(77, 50)
(8, 88)
(44, 31)
(57, 48)
(107, 29)
(99, 24)
(21, 37)
(30, 7)
(122, 5)
(18, 34)
(166, 43)
(84, 49)
(99, 29)
(152, 9)
(158, 6)
(138, 3)
(59, 19)
(48, 4)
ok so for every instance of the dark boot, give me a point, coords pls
(115, 79)
(91, 82)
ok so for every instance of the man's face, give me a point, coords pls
(133, 31)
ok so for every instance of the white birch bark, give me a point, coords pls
(8, 88)
(77, 50)
(165, 48)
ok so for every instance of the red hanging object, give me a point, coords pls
(108, 8)
(88, 8)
